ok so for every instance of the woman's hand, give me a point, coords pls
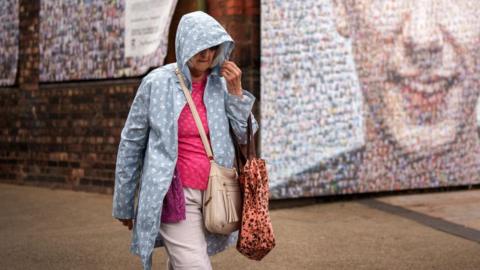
(233, 76)
(127, 222)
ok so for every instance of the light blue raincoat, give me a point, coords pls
(149, 141)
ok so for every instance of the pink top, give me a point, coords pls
(193, 165)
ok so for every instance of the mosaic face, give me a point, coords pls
(418, 70)
(417, 62)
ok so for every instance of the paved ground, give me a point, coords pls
(57, 229)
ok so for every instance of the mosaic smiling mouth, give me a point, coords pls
(424, 97)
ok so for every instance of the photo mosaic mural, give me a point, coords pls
(368, 96)
(9, 32)
(98, 39)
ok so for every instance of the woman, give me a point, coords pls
(160, 135)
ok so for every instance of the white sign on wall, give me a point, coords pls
(146, 25)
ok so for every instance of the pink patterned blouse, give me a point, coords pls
(193, 165)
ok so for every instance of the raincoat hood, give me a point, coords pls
(196, 32)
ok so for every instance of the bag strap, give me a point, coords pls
(196, 117)
(247, 151)
(240, 158)
(251, 148)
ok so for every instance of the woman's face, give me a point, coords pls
(202, 61)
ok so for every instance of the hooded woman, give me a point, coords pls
(161, 142)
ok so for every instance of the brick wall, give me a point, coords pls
(70, 137)
(66, 135)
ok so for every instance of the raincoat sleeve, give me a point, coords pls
(130, 154)
(238, 109)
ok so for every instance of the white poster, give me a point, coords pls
(146, 25)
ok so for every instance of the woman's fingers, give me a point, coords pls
(231, 69)
(233, 75)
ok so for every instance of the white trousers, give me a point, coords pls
(185, 240)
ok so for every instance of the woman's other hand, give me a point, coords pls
(127, 222)
(233, 75)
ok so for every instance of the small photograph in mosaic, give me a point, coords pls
(97, 39)
(9, 32)
(368, 96)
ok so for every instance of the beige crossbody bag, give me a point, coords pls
(222, 201)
